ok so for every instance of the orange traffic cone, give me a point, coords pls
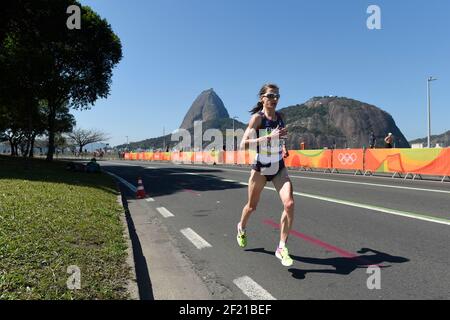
(140, 193)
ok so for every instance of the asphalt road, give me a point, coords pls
(343, 224)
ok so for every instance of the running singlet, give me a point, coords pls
(268, 152)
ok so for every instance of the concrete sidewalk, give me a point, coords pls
(161, 271)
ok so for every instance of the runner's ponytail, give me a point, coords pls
(257, 108)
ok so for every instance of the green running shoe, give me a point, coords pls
(283, 255)
(241, 238)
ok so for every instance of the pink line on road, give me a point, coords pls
(322, 244)
(191, 191)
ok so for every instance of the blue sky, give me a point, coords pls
(175, 49)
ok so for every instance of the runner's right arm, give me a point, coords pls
(250, 133)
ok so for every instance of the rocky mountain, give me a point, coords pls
(319, 122)
(442, 139)
(208, 106)
(160, 142)
(339, 122)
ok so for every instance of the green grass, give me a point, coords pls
(51, 219)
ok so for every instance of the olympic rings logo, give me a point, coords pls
(347, 158)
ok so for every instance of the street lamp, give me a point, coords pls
(164, 137)
(429, 109)
(233, 131)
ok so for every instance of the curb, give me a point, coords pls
(132, 286)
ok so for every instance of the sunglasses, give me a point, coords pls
(272, 96)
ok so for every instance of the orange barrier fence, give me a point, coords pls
(309, 159)
(184, 157)
(210, 157)
(238, 157)
(348, 159)
(416, 161)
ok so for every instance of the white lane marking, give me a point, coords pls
(150, 200)
(238, 182)
(251, 289)
(346, 181)
(354, 182)
(412, 215)
(334, 180)
(196, 240)
(125, 182)
(121, 164)
(372, 184)
(164, 212)
(185, 173)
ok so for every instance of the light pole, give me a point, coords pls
(233, 131)
(429, 108)
(164, 137)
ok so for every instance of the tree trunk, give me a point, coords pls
(51, 131)
(23, 150)
(26, 148)
(11, 143)
(30, 138)
(33, 139)
(81, 149)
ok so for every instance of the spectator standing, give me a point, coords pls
(388, 141)
(372, 140)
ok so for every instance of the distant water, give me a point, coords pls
(3, 148)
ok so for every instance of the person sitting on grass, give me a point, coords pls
(93, 166)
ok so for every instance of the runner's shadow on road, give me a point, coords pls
(167, 181)
(341, 265)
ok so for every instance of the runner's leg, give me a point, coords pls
(284, 188)
(256, 185)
